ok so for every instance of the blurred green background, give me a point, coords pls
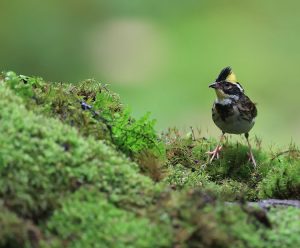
(161, 55)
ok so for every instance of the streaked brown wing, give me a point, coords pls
(247, 108)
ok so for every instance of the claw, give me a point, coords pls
(215, 153)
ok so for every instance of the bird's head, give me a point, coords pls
(226, 85)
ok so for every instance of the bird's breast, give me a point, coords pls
(229, 119)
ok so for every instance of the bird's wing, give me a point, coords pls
(247, 108)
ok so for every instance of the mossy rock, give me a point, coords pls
(43, 160)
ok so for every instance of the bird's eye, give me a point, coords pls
(227, 85)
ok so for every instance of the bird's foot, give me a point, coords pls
(251, 159)
(215, 153)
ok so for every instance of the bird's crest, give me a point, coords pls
(227, 74)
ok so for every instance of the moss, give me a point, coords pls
(151, 165)
(234, 163)
(43, 160)
(91, 108)
(286, 228)
(232, 190)
(15, 232)
(184, 150)
(282, 181)
(86, 219)
(231, 177)
(199, 219)
(66, 168)
(180, 177)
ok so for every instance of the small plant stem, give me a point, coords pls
(193, 133)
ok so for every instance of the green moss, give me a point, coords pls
(234, 163)
(151, 165)
(92, 109)
(184, 150)
(231, 177)
(42, 160)
(232, 190)
(200, 220)
(63, 167)
(282, 181)
(86, 219)
(286, 228)
(15, 232)
(180, 177)
(242, 229)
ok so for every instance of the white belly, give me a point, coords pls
(234, 124)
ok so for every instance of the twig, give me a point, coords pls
(267, 204)
(193, 133)
(284, 152)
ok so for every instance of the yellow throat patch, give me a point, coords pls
(220, 94)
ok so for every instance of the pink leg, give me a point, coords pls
(215, 153)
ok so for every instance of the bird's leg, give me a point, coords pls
(251, 157)
(216, 151)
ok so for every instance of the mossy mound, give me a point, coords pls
(43, 160)
(76, 170)
(91, 108)
(232, 177)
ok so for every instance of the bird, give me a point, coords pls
(233, 112)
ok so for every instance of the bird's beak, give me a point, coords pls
(213, 85)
